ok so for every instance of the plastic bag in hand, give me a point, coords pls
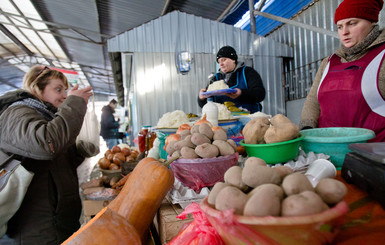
(88, 139)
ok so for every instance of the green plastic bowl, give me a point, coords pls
(275, 152)
(334, 141)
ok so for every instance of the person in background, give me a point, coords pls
(109, 126)
(246, 80)
(349, 87)
(39, 125)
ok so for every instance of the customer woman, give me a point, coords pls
(349, 88)
(247, 82)
(39, 125)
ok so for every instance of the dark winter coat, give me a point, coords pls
(253, 94)
(51, 208)
(109, 128)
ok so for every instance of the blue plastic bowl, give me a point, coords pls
(334, 141)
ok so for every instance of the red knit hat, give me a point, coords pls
(362, 9)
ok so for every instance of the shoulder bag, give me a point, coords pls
(14, 182)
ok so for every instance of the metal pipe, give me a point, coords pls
(296, 23)
(252, 17)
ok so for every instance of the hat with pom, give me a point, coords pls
(227, 52)
(362, 9)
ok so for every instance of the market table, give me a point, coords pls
(364, 224)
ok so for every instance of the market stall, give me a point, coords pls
(195, 174)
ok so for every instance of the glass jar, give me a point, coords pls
(150, 138)
(142, 138)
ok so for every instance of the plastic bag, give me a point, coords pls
(198, 232)
(88, 139)
(202, 172)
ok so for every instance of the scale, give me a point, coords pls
(365, 168)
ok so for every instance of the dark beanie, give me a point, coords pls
(227, 52)
(362, 9)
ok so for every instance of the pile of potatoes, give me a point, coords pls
(201, 141)
(261, 190)
(262, 130)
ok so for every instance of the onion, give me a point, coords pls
(203, 120)
(172, 137)
(183, 127)
(217, 128)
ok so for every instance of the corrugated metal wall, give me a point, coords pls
(309, 47)
(158, 88)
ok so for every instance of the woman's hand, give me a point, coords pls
(235, 95)
(85, 93)
(202, 97)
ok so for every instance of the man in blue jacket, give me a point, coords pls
(109, 126)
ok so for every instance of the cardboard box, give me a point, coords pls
(167, 222)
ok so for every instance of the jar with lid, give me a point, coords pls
(211, 111)
(142, 138)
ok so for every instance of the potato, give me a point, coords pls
(170, 147)
(198, 139)
(281, 132)
(304, 203)
(184, 133)
(255, 161)
(206, 130)
(178, 145)
(207, 150)
(273, 188)
(255, 175)
(331, 190)
(254, 130)
(188, 153)
(283, 171)
(279, 119)
(214, 192)
(233, 176)
(194, 129)
(296, 183)
(264, 201)
(231, 197)
(233, 144)
(224, 147)
(220, 134)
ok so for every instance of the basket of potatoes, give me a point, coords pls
(204, 154)
(276, 140)
(259, 204)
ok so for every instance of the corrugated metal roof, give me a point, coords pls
(82, 28)
(282, 8)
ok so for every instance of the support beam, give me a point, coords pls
(252, 17)
(296, 23)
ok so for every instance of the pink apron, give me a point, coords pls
(349, 96)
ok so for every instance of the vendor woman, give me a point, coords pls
(349, 87)
(248, 83)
